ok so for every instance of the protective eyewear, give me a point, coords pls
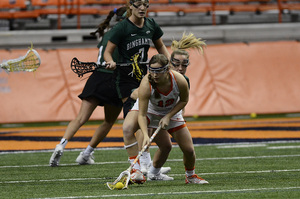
(138, 4)
(176, 63)
(162, 69)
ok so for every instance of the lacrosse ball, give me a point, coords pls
(119, 185)
(253, 115)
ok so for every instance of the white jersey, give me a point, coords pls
(163, 105)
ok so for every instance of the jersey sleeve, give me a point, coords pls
(116, 33)
(158, 33)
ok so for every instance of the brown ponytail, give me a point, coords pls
(105, 24)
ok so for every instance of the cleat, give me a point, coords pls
(84, 159)
(159, 176)
(194, 179)
(145, 167)
(137, 176)
(165, 170)
(56, 155)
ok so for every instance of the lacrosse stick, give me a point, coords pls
(81, 68)
(29, 62)
(124, 177)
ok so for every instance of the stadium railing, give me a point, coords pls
(15, 10)
(246, 6)
(288, 6)
(34, 8)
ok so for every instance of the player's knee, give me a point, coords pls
(166, 149)
(108, 123)
(80, 120)
(189, 152)
(128, 133)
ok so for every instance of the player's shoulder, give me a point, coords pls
(150, 21)
(176, 74)
(145, 79)
(180, 79)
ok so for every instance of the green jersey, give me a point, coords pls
(188, 80)
(133, 44)
(131, 39)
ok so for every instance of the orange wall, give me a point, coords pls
(228, 79)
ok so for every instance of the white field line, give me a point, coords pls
(169, 160)
(181, 193)
(241, 146)
(202, 174)
(174, 146)
(283, 147)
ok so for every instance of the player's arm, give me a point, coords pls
(184, 98)
(144, 97)
(161, 48)
(110, 47)
(134, 95)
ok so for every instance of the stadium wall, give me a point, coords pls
(229, 79)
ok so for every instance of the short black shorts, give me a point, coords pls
(126, 82)
(128, 104)
(101, 85)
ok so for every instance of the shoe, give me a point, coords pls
(158, 176)
(56, 155)
(145, 168)
(83, 159)
(137, 176)
(165, 170)
(194, 179)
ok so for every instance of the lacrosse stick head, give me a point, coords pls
(74, 66)
(81, 68)
(28, 63)
(124, 178)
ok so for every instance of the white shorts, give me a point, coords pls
(176, 122)
(174, 125)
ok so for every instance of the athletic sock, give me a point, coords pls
(190, 172)
(137, 164)
(88, 150)
(145, 158)
(154, 170)
(63, 142)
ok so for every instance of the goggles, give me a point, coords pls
(139, 3)
(161, 69)
(176, 63)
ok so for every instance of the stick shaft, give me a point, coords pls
(145, 147)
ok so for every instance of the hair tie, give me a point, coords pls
(115, 10)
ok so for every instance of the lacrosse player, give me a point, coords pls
(132, 38)
(179, 62)
(163, 94)
(99, 90)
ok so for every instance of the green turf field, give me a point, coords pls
(257, 170)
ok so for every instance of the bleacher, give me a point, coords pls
(176, 12)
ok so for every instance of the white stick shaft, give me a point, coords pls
(145, 147)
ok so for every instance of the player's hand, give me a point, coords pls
(164, 122)
(110, 65)
(146, 140)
